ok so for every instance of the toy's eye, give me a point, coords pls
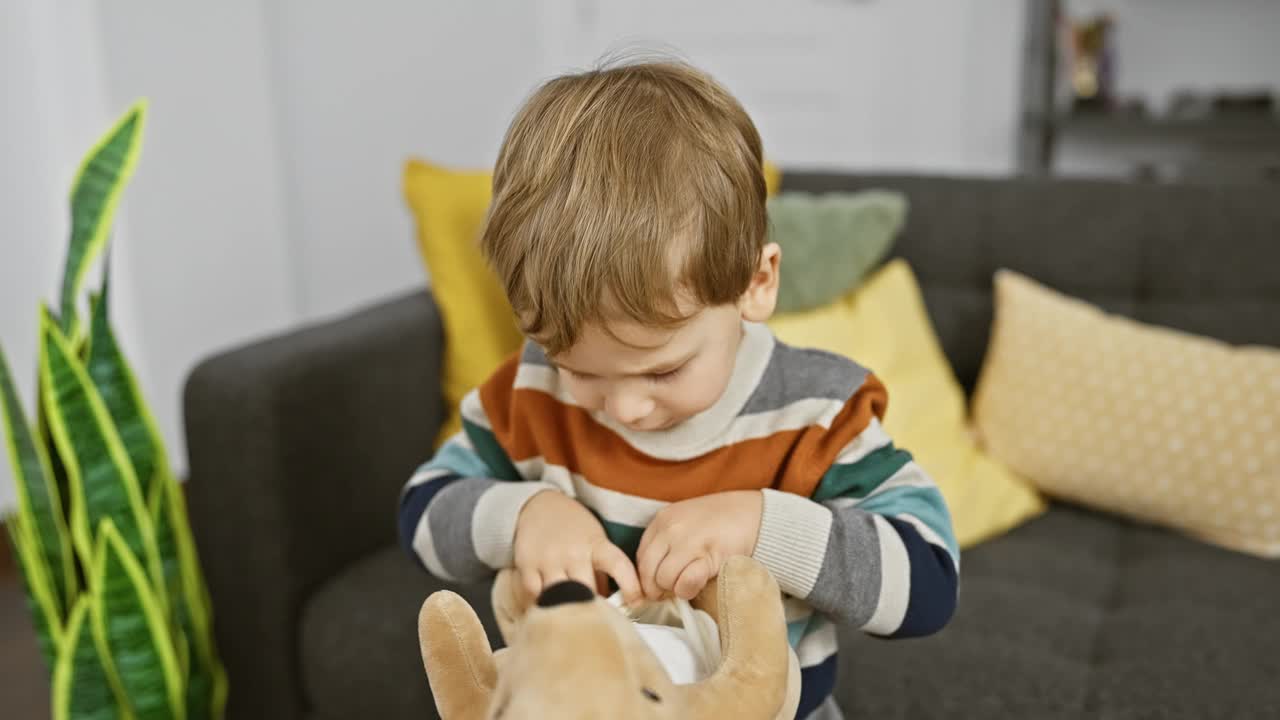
(651, 695)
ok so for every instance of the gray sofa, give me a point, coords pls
(299, 445)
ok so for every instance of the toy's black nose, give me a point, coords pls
(564, 592)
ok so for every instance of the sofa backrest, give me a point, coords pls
(1199, 258)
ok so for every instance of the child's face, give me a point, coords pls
(649, 379)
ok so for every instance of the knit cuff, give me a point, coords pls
(793, 540)
(493, 529)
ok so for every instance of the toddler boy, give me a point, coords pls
(652, 426)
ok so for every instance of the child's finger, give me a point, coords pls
(693, 578)
(669, 570)
(609, 559)
(647, 568)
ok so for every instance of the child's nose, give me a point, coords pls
(628, 408)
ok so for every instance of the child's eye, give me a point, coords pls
(666, 376)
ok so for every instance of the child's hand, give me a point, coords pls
(687, 542)
(559, 539)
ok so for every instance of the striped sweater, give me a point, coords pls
(852, 528)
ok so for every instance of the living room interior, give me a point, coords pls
(1063, 212)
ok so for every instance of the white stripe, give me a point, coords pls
(537, 469)
(909, 475)
(680, 443)
(794, 416)
(928, 533)
(612, 505)
(817, 646)
(426, 549)
(473, 410)
(493, 521)
(872, 438)
(895, 581)
(543, 379)
(840, 503)
(615, 506)
(426, 476)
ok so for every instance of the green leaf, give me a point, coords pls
(38, 589)
(118, 387)
(129, 621)
(39, 502)
(101, 481)
(94, 196)
(81, 688)
(189, 600)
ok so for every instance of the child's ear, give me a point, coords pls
(760, 299)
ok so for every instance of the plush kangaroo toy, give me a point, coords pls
(571, 655)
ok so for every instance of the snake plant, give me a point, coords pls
(101, 533)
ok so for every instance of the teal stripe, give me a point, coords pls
(460, 460)
(490, 452)
(798, 630)
(626, 537)
(859, 479)
(924, 503)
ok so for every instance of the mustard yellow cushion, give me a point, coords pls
(1158, 425)
(480, 330)
(884, 326)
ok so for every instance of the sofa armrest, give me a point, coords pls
(298, 448)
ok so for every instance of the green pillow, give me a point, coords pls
(831, 241)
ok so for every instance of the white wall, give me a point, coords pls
(51, 105)
(360, 86)
(207, 247)
(269, 188)
(903, 85)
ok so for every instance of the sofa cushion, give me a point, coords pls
(1077, 615)
(359, 638)
(1157, 425)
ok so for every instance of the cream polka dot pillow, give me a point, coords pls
(1159, 425)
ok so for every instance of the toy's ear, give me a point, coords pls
(457, 657)
(753, 639)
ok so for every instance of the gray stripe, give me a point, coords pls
(450, 514)
(532, 354)
(801, 374)
(848, 586)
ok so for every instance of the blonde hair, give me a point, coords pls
(617, 189)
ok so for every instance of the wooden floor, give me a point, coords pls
(24, 682)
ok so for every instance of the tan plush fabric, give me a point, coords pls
(1155, 424)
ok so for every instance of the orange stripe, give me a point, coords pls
(531, 423)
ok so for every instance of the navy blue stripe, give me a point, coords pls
(816, 684)
(413, 503)
(933, 584)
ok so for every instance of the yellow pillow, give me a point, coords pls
(1159, 425)
(480, 330)
(884, 326)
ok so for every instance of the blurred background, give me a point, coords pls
(268, 195)
(268, 192)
